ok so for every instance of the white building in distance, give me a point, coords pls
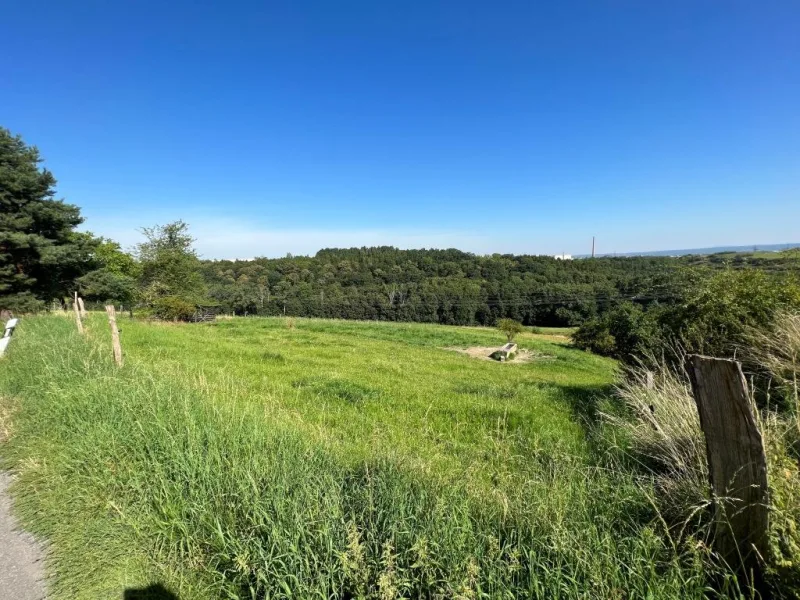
(562, 256)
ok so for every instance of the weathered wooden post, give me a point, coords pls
(77, 314)
(112, 321)
(6, 339)
(737, 463)
(81, 307)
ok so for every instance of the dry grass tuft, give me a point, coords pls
(6, 413)
(665, 437)
(778, 351)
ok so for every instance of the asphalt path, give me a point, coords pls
(21, 556)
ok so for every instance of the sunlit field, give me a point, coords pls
(278, 458)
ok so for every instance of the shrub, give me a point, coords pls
(716, 313)
(708, 315)
(510, 328)
(625, 332)
(21, 303)
(173, 308)
(595, 337)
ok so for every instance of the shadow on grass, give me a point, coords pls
(151, 592)
(587, 403)
(585, 400)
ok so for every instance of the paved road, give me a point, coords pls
(21, 557)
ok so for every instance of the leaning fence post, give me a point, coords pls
(77, 314)
(737, 463)
(81, 307)
(112, 321)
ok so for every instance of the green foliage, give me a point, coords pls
(720, 308)
(596, 337)
(170, 279)
(711, 313)
(510, 328)
(111, 258)
(439, 286)
(626, 332)
(106, 286)
(115, 276)
(21, 303)
(40, 253)
(784, 484)
(172, 308)
(458, 288)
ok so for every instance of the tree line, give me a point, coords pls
(439, 286)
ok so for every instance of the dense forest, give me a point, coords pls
(441, 286)
(454, 287)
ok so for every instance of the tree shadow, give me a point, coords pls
(585, 404)
(155, 591)
(584, 401)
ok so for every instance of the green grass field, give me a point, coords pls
(250, 459)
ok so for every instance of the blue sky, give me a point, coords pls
(526, 127)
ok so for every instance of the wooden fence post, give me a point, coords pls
(81, 307)
(737, 463)
(77, 314)
(112, 321)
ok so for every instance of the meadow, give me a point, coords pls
(306, 458)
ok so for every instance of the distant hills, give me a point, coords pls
(711, 250)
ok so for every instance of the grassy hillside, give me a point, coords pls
(272, 458)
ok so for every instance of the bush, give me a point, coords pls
(595, 337)
(21, 303)
(625, 332)
(510, 328)
(173, 308)
(716, 313)
(709, 315)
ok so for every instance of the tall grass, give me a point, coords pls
(140, 474)
(778, 352)
(662, 433)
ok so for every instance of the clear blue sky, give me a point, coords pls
(276, 127)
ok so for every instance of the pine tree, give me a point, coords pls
(40, 252)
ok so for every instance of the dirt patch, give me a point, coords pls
(483, 353)
(553, 337)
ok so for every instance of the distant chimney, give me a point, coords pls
(592, 246)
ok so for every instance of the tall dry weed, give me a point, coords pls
(665, 438)
(778, 352)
